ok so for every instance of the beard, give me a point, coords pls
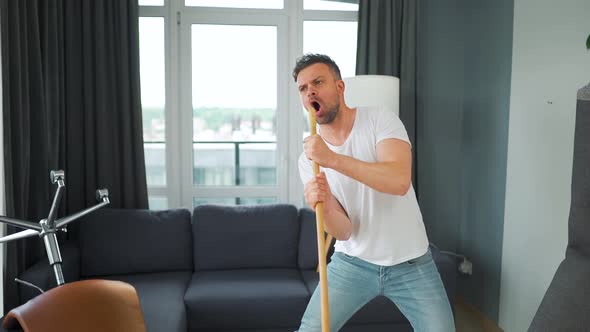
(331, 114)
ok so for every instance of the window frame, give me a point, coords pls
(178, 18)
(191, 191)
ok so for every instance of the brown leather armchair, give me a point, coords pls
(89, 305)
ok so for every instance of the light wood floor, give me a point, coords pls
(469, 319)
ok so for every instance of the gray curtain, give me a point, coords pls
(71, 100)
(387, 31)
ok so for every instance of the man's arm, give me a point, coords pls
(336, 221)
(391, 174)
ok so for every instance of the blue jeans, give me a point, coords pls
(414, 286)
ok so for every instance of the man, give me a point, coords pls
(369, 207)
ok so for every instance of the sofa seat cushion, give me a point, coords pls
(246, 299)
(378, 310)
(161, 296)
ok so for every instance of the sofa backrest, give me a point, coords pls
(242, 237)
(123, 241)
(308, 243)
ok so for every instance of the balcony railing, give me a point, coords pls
(221, 163)
(259, 155)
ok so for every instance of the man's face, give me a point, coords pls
(319, 90)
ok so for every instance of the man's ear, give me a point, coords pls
(341, 86)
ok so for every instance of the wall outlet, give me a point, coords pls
(466, 267)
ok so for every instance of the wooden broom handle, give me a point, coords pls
(329, 239)
(319, 209)
(328, 243)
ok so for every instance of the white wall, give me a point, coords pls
(549, 64)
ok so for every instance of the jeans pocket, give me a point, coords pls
(344, 257)
(427, 257)
(348, 256)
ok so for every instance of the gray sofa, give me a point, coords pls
(221, 269)
(566, 304)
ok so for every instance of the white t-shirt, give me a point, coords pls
(386, 229)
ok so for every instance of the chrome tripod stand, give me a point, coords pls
(47, 228)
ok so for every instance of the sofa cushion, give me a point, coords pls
(246, 299)
(118, 241)
(311, 279)
(235, 237)
(161, 296)
(308, 243)
(379, 310)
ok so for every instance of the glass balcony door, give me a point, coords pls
(231, 112)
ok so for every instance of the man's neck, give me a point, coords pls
(337, 131)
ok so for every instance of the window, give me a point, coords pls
(221, 114)
(151, 48)
(348, 5)
(322, 37)
(151, 2)
(234, 97)
(263, 4)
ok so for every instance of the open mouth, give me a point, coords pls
(316, 105)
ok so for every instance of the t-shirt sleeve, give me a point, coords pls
(389, 125)
(305, 169)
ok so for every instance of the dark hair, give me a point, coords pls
(311, 59)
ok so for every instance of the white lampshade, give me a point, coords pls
(372, 90)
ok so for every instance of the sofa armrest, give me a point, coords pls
(41, 274)
(565, 305)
